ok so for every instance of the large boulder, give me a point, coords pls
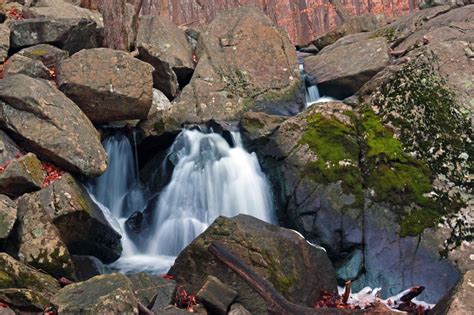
(106, 294)
(61, 9)
(7, 217)
(49, 124)
(275, 253)
(71, 35)
(19, 64)
(88, 267)
(40, 244)
(343, 180)
(15, 274)
(244, 62)
(356, 24)
(152, 290)
(78, 220)
(108, 85)
(22, 175)
(340, 71)
(162, 44)
(24, 300)
(49, 55)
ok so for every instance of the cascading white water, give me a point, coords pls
(210, 178)
(311, 90)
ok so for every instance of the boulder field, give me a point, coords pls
(372, 187)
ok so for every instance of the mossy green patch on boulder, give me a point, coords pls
(335, 143)
(397, 178)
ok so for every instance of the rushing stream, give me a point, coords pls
(210, 178)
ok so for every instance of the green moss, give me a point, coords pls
(5, 280)
(417, 101)
(281, 281)
(397, 178)
(389, 33)
(337, 150)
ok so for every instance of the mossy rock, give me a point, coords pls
(24, 300)
(275, 253)
(14, 274)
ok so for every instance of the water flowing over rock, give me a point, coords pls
(107, 85)
(162, 44)
(340, 71)
(296, 269)
(37, 114)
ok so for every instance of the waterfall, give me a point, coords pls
(210, 178)
(311, 90)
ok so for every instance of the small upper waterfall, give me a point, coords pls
(311, 91)
(210, 178)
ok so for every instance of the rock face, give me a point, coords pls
(216, 296)
(106, 294)
(329, 170)
(40, 244)
(461, 300)
(21, 176)
(245, 62)
(88, 267)
(18, 275)
(340, 71)
(80, 223)
(24, 65)
(7, 217)
(71, 35)
(24, 300)
(46, 122)
(152, 290)
(162, 44)
(273, 252)
(8, 149)
(107, 85)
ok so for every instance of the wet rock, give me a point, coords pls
(108, 85)
(87, 267)
(105, 294)
(4, 41)
(40, 244)
(273, 252)
(7, 217)
(460, 300)
(425, 4)
(45, 121)
(341, 71)
(351, 267)
(171, 310)
(356, 24)
(162, 44)
(224, 129)
(152, 290)
(49, 55)
(245, 62)
(216, 296)
(81, 224)
(22, 175)
(71, 35)
(18, 275)
(24, 300)
(24, 65)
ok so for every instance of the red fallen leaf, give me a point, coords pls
(167, 277)
(4, 305)
(52, 173)
(184, 300)
(64, 281)
(14, 14)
